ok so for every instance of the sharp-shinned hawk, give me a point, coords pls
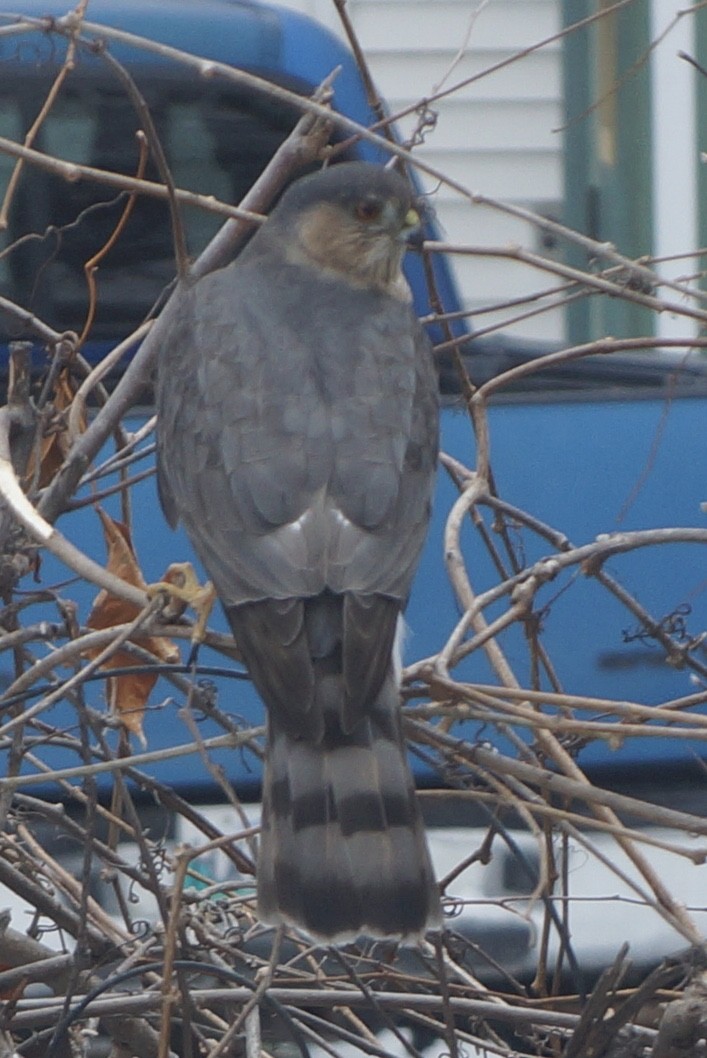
(298, 422)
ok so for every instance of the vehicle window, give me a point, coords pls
(217, 141)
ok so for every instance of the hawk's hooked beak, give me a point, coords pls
(412, 232)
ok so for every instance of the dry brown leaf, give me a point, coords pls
(56, 443)
(127, 694)
(11, 995)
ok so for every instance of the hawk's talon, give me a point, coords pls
(182, 588)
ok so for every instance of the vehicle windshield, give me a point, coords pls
(217, 139)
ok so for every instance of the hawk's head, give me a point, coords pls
(352, 220)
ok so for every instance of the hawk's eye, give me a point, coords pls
(368, 210)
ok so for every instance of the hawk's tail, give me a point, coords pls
(343, 849)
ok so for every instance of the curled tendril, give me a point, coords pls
(452, 907)
(140, 928)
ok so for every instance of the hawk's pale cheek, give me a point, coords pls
(364, 255)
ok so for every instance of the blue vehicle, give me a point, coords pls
(569, 446)
(600, 445)
(218, 136)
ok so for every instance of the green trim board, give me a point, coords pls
(700, 30)
(608, 176)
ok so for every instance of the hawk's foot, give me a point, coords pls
(181, 587)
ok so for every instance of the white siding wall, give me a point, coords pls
(495, 136)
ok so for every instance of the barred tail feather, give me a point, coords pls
(343, 849)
